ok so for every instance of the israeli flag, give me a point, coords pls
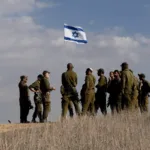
(74, 34)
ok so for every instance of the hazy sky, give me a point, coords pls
(31, 40)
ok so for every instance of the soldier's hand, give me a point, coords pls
(38, 91)
(31, 107)
(53, 88)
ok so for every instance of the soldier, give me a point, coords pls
(89, 98)
(70, 106)
(145, 89)
(24, 99)
(46, 89)
(82, 93)
(101, 92)
(127, 84)
(111, 77)
(35, 87)
(115, 93)
(69, 82)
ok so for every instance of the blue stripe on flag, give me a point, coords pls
(78, 41)
(73, 28)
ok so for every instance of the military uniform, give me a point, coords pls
(69, 82)
(45, 89)
(115, 95)
(127, 84)
(135, 93)
(101, 95)
(70, 105)
(139, 96)
(37, 100)
(143, 96)
(89, 97)
(24, 101)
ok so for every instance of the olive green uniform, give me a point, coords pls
(70, 105)
(45, 89)
(89, 98)
(135, 93)
(139, 96)
(101, 95)
(114, 89)
(69, 82)
(24, 101)
(37, 100)
(127, 84)
(143, 97)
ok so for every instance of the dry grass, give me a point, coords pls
(120, 132)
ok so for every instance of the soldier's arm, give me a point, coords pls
(47, 85)
(33, 86)
(123, 82)
(135, 85)
(140, 86)
(63, 79)
(27, 89)
(62, 91)
(101, 82)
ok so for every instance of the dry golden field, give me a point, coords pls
(120, 132)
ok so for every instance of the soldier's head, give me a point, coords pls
(111, 74)
(141, 76)
(124, 66)
(39, 77)
(70, 66)
(116, 73)
(46, 74)
(100, 72)
(24, 78)
(89, 71)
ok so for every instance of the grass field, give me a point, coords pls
(120, 132)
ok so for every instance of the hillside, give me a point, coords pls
(120, 132)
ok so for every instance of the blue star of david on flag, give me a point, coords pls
(74, 34)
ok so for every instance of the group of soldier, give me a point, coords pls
(126, 92)
(41, 88)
